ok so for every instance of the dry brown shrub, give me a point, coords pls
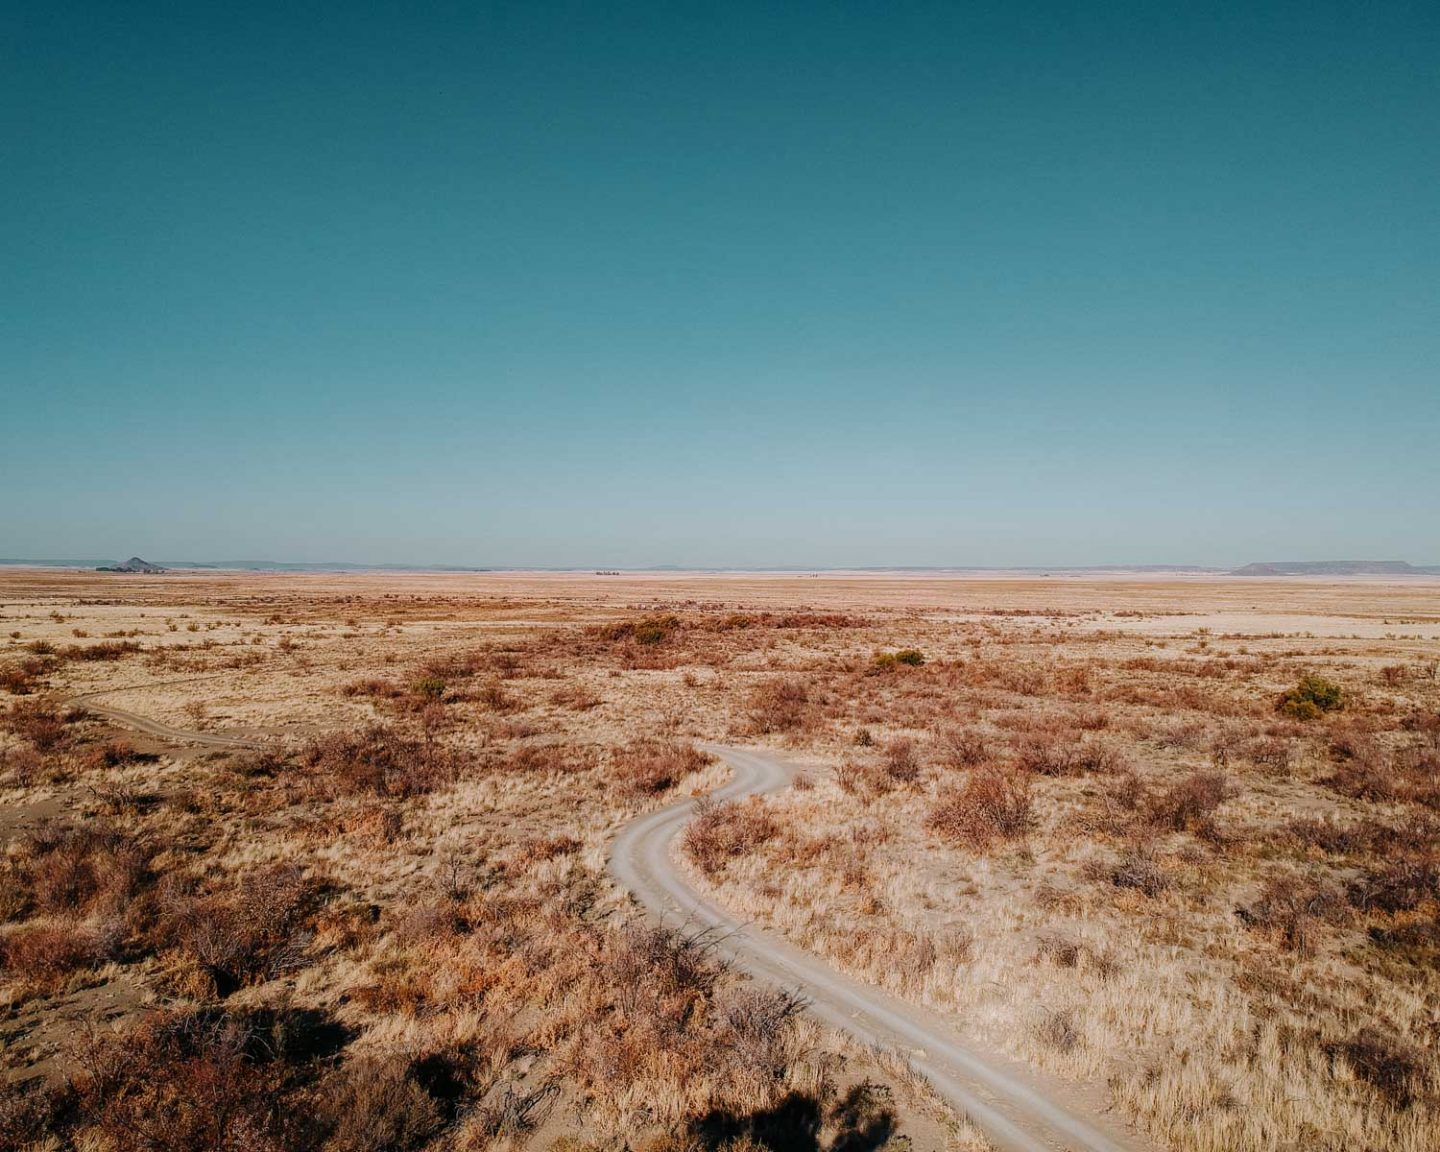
(108, 650)
(1399, 886)
(901, 760)
(24, 765)
(38, 721)
(719, 833)
(183, 1082)
(43, 955)
(962, 747)
(1058, 749)
(779, 705)
(1292, 911)
(21, 679)
(1189, 801)
(1397, 1070)
(1138, 870)
(373, 687)
(80, 869)
(993, 806)
(1059, 1029)
(379, 760)
(576, 697)
(651, 767)
(253, 929)
(378, 1104)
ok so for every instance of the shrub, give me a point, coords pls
(374, 1104)
(1186, 803)
(1400, 886)
(994, 805)
(779, 705)
(1065, 753)
(81, 869)
(721, 832)
(1395, 1069)
(963, 747)
(909, 657)
(648, 630)
(430, 688)
(109, 650)
(901, 760)
(1291, 911)
(652, 767)
(183, 1082)
(379, 760)
(1139, 870)
(37, 721)
(254, 930)
(45, 954)
(1311, 697)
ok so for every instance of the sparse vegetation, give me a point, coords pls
(1075, 822)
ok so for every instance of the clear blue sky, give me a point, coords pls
(727, 284)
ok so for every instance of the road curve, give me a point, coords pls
(136, 722)
(999, 1099)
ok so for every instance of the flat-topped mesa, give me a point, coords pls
(1331, 568)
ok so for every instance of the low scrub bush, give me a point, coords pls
(655, 766)
(779, 705)
(107, 650)
(1292, 911)
(1185, 804)
(719, 833)
(378, 1103)
(380, 761)
(1395, 1069)
(45, 954)
(648, 630)
(905, 657)
(253, 930)
(1311, 697)
(184, 1082)
(962, 747)
(993, 806)
(38, 721)
(1140, 871)
(80, 869)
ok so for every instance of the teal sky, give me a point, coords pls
(721, 285)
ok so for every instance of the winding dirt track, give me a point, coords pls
(999, 1098)
(138, 723)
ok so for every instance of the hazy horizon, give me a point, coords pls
(768, 286)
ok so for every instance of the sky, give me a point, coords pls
(723, 285)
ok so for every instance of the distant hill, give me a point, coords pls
(134, 564)
(1334, 568)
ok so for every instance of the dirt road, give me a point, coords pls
(138, 723)
(996, 1095)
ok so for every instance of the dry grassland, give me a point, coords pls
(1078, 816)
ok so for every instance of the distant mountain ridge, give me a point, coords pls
(1334, 568)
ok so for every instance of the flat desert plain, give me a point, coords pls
(313, 861)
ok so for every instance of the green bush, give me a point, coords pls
(430, 687)
(910, 657)
(1312, 696)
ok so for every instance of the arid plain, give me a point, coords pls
(320, 861)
